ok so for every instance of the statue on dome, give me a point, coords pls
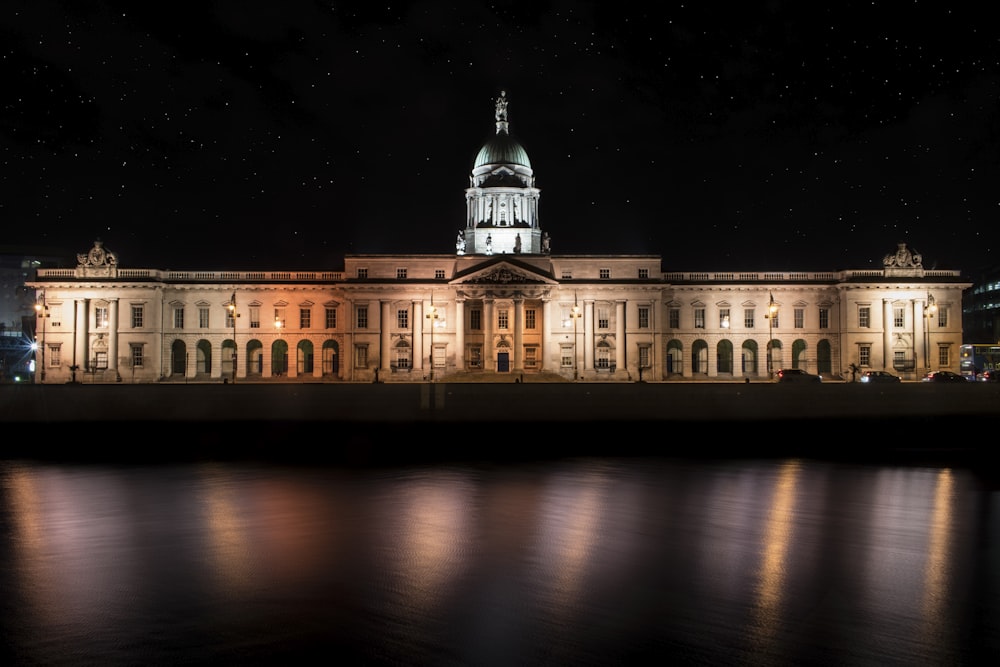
(545, 243)
(489, 244)
(460, 243)
(502, 106)
(517, 244)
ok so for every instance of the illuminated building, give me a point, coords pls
(498, 304)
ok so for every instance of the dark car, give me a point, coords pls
(797, 375)
(944, 376)
(870, 377)
(990, 375)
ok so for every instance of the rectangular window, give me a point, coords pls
(824, 318)
(361, 319)
(230, 319)
(331, 318)
(439, 274)
(899, 359)
(603, 321)
(475, 357)
(530, 356)
(864, 317)
(605, 274)
(400, 274)
(898, 317)
(362, 273)
(674, 318)
(748, 318)
(566, 275)
(137, 317)
(699, 318)
(643, 317)
(529, 318)
(643, 273)
(566, 356)
(255, 317)
(502, 318)
(865, 355)
(603, 357)
(178, 318)
(798, 317)
(279, 318)
(402, 318)
(54, 358)
(305, 318)
(723, 318)
(101, 317)
(202, 318)
(944, 358)
(135, 355)
(644, 356)
(361, 356)
(101, 360)
(942, 318)
(475, 319)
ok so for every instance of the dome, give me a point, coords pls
(502, 149)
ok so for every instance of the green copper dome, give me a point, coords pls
(502, 149)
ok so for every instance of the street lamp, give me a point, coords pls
(436, 320)
(42, 312)
(771, 315)
(928, 316)
(574, 315)
(233, 315)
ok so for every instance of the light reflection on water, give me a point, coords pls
(569, 562)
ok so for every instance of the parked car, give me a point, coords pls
(990, 375)
(797, 375)
(944, 376)
(870, 377)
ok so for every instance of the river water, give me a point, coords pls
(590, 561)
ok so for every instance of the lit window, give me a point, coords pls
(137, 317)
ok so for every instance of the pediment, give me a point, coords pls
(503, 272)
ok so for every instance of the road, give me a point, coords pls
(563, 418)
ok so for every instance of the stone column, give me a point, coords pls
(518, 365)
(489, 356)
(113, 336)
(82, 334)
(546, 335)
(385, 338)
(620, 342)
(459, 334)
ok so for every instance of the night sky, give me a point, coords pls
(283, 135)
